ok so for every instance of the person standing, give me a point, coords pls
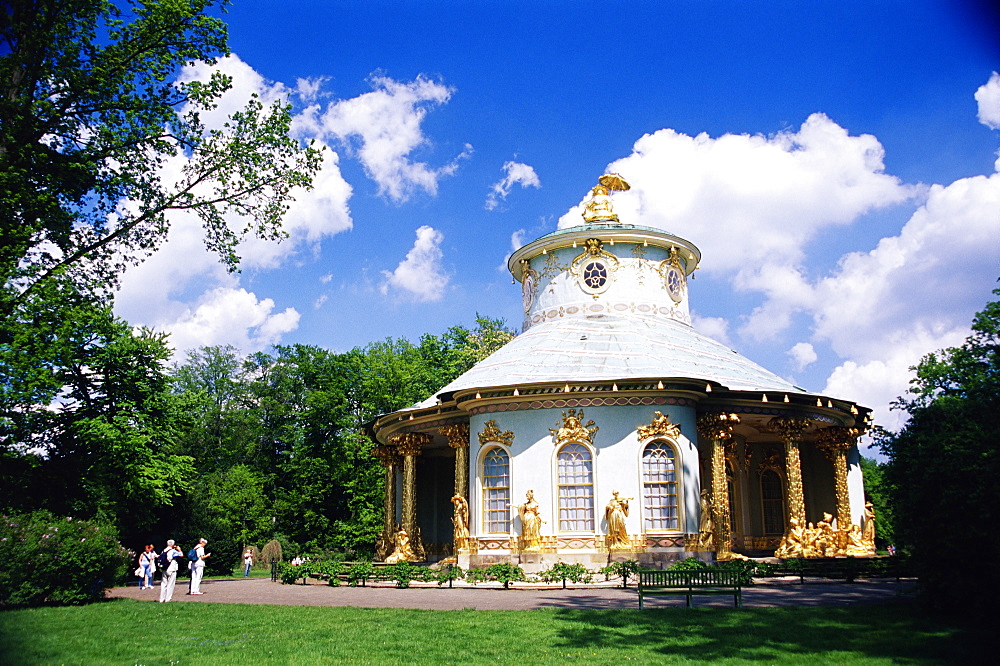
(198, 567)
(147, 562)
(171, 553)
(247, 562)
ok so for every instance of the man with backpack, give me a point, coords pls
(167, 561)
(197, 555)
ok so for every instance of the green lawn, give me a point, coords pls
(131, 632)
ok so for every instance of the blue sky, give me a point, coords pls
(835, 162)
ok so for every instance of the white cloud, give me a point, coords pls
(913, 294)
(988, 97)
(753, 201)
(516, 173)
(517, 239)
(182, 286)
(231, 316)
(803, 354)
(716, 328)
(383, 128)
(420, 274)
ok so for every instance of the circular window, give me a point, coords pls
(595, 275)
(675, 284)
(528, 289)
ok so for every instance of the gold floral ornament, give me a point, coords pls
(594, 268)
(659, 427)
(573, 429)
(492, 434)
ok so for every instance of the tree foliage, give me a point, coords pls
(944, 463)
(87, 421)
(91, 117)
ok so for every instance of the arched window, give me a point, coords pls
(772, 503)
(659, 487)
(576, 489)
(496, 491)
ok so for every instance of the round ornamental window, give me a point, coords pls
(528, 290)
(595, 275)
(675, 284)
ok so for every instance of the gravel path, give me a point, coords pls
(521, 596)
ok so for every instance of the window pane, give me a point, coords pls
(496, 491)
(576, 489)
(659, 487)
(772, 503)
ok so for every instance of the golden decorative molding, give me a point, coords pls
(492, 434)
(771, 461)
(573, 429)
(410, 443)
(829, 440)
(458, 435)
(789, 428)
(660, 426)
(717, 425)
(387, 455)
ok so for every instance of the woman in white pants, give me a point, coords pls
(170, 573)
(198, 567)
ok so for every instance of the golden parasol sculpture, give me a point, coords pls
(614, 182)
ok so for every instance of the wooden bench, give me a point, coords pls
(690, 583)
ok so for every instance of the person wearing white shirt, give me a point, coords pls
(171, 553)
(198, 567)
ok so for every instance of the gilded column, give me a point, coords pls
(458, 439)
(835, 443)
(718, 429)
(389, 458)
(790, 430)
(409, 445)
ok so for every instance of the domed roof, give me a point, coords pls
(614, 348)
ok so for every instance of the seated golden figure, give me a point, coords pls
(599, 207)
(402, 551)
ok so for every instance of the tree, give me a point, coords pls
(90, 116)
(87, 420)
(943, 467)
(878, 493)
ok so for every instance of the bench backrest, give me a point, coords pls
(695, 578)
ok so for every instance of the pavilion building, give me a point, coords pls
(610, 429)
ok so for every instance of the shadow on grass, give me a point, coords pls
(897, 632)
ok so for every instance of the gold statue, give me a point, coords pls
(868, 527)
(403, 552)
(855, 543)
(599, 207)
(460, 520)
(792, 544)
(531, 521)
(616, 511)
(706, 526)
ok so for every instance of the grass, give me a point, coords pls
(132, 632)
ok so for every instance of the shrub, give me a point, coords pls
(47, 559)
(475, 576)
(288, 573)
(505, 572)
(560, 571)
(401, 572)
(688, 564)
(449, 573)
(625, 569)
(360, 571)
